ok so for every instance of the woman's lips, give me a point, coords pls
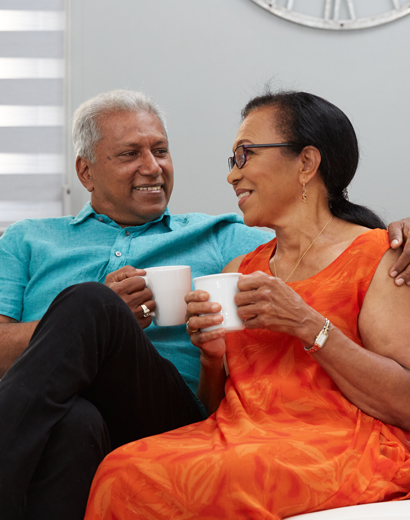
(243, 195)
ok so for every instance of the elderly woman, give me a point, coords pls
(315, 411)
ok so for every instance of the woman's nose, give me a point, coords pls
(234, 175)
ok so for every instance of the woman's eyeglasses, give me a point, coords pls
(240, 154)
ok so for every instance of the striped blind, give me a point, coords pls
(31, 109)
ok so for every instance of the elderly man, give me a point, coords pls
(123, 160)
(90, 379)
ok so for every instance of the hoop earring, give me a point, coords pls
(304, 198)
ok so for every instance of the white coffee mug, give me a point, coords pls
(222, 289)
(169, 285)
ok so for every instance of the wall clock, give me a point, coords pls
(337, 14)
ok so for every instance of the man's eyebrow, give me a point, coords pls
(161, 142)
(132, 144)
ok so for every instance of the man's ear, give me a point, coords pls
(310, 159)
(82, 166)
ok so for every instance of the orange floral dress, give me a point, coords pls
(284, 440)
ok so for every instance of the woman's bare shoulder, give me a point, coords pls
(384, 322)
(233, 266)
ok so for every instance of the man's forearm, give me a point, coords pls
(14, 338)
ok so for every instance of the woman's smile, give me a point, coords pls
(243, 195)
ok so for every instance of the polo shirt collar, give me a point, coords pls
(88, 211)
(83, 215)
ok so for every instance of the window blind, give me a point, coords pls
(31, 109)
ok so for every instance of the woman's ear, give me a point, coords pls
(310, 159)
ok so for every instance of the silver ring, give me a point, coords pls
(146, 311)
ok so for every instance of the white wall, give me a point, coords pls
(202, 60)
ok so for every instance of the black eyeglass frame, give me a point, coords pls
(232, 160)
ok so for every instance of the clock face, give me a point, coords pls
(337, 14)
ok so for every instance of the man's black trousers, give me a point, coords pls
(88, 382)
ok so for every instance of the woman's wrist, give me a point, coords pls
(211, 362)
(320, 339)
(310, 329)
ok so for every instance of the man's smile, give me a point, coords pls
(157, 188)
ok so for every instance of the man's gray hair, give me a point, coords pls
(86, 128)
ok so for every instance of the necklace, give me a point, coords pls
(304, 253)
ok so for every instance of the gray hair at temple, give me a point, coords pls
(86, 130)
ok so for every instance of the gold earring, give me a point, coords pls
(304, 198)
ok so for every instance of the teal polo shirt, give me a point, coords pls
(39, 258)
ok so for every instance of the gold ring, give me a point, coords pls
(188, 329)
(146, 311)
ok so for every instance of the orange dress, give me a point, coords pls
(284, 440)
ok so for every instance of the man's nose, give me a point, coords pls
(149, 165)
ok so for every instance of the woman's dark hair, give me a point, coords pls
(308, 120)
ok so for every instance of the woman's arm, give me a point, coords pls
(212, 375)
(375, 378)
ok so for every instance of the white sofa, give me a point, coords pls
(381, 511)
